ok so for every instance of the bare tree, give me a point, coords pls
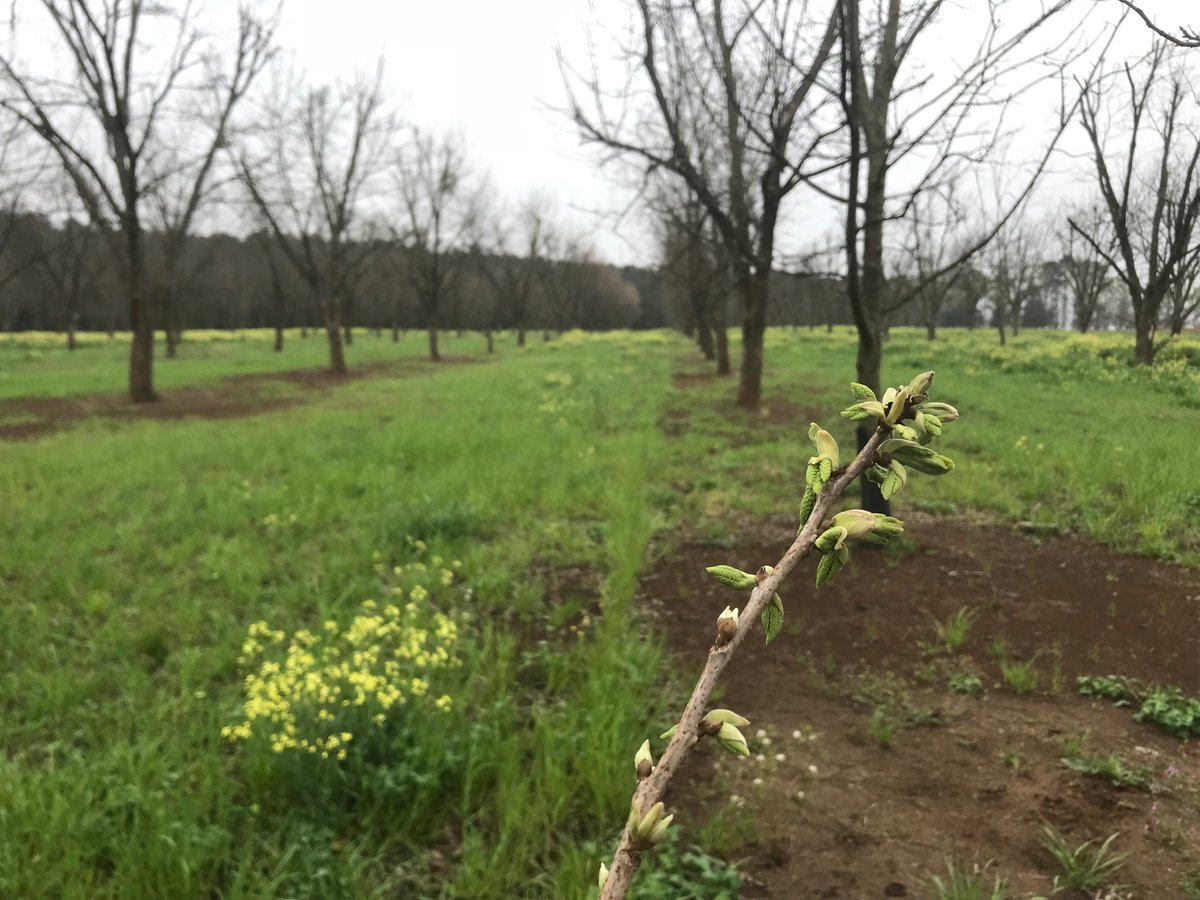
(1183, 297)
(1087, 274)
(440, 207)
(309, 182)
(1187, 37)
(514, 262)
(935, 131)
(933, 238)
(106, 126)
(1153, 212)
(1015, 262)
(733, 112)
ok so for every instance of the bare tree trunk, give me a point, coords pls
(491, 343)
(722, 335)
(395, 332)
(278, 337)
(930, 331)
(1143, 347)
(704, 338)
(754, 323)
(337, 356)
(521, 335)
(141, 346)
(433, 344)
(348, 330)
(72, 325)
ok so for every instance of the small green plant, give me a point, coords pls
(960, 883)
(965, 683)
(1161, 705)
(882, 727)
(1011, 758)
(1189, 883)
(1021, 677)
(1109, 767)
(998, 647)
(1110, 687)
(1072, 745)
(684, 872)
(1167, 708)
(953, 632)
(1089, 867)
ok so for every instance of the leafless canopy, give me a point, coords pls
(1153, 211)
(137, 66)
(722, 95)
(309, 176)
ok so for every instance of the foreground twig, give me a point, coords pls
(646, 825)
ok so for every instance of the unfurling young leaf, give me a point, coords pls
(772, 618)
(806, 506)
(862, 392)
(830, 565)
(896, 478)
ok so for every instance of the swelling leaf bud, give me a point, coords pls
(603, 875)
(643, 762)
(722, 716)
(920, 384)
(731, 577)
(727, 625)
(732, 739)
(856, 522)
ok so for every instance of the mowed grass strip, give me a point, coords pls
(132, 562)
(37, 364)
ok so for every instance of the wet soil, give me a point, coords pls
(981, 784)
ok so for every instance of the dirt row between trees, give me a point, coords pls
(982, 775)
(24, 418)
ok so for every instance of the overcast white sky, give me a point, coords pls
(488, 69)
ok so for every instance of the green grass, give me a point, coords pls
(134, 559)
(1047, 433)
(961, 883)
(39, 365)
(1090, 867)
(135, 554)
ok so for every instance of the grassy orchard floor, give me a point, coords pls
(142, 552)
(135, 556)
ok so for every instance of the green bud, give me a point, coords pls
(944, 411)
(934, 464)
(903, 431)
(856, 522)
(669, 733)
(864, 410)
(635, 816)
(899, 402)
(731, 577)
(732, 739)
(724, 716)
(876, 473)
(826, 445)
(826, 469)
(895, 445)
(660, 830)
(831, 539)
(933, 425)
(920, 384)
(603, 875)
(652, 817)
(643, 762)
(888, 524)
(812, 475)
